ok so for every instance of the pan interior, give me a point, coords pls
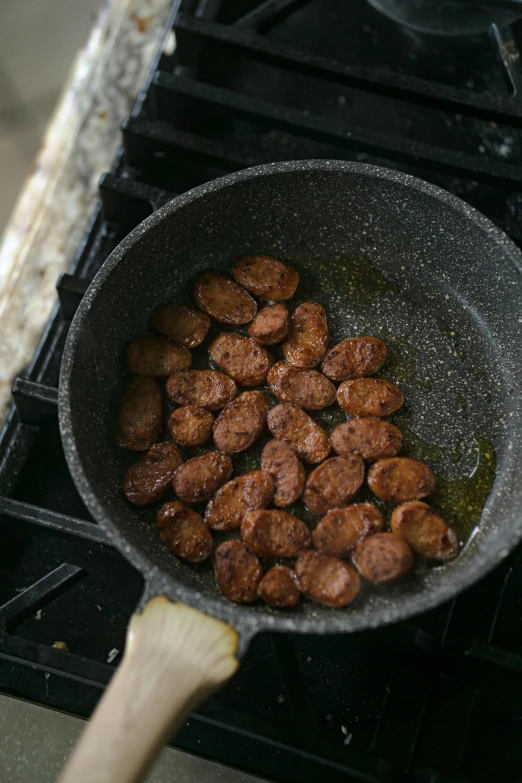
(385, 255)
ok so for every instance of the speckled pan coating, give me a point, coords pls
(440, 262)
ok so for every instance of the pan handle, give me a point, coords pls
(175, 657)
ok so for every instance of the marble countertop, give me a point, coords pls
(58, 197)
(35, 742)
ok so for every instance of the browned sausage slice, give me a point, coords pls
(278, 588)
(354, 358)
(400, 479)
(425, 530)
(280, 460)
(237, 572)
(241, 358)
(273, 533)
(267, 277)
(223, 299)
(327, 579)
(270, 326)
(184, 532)
(241, 422)
(372, 439)
(150, 477)
(207, 388)
(156, 356)
(343, 528)
(233, 500)
(307, 341)
(334, 483)
(198, 478)
(383, 557)
(308, 389)
(139, 420)
(298, 429)
(191, 425)
(181, 324)
(369, 397)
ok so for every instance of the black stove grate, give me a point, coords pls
(433, 700)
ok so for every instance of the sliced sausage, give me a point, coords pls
(241, 358)
(278, 588)
(273, 533)
(191, 425)
(270, 326)
(241, 422)
(237, 497)
(223, 299)
(400, 479)
(237, 572)
(298, 429)
(139, 420)
(372, 439)
(149, 479)
(184, 532)
(339, 532)
(326, 579)
(425, 530)
(334, 483)
(383, 557)
(369, 397)
(281, 462)
(198, 478)
(181, 324)
(307, 341)
(207, 388)
(354, 358)
(308, 389)
(156, 356)
(267, 277)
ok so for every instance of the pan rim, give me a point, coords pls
(158, 581)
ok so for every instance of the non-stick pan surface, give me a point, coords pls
(387, 255)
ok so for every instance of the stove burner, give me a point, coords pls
(450, 17)
(436, 698)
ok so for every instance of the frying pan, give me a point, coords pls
(386, 254)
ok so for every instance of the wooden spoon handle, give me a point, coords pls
(175, 657)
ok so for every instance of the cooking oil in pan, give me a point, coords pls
(362, 279)
(462, 500)
(451, 334)
(414, 445)
(401, 366)
(402, 361)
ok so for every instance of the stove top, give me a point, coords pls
(436, 699)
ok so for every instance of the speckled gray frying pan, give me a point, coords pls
(386, 254)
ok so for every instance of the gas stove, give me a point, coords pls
(438, 698)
